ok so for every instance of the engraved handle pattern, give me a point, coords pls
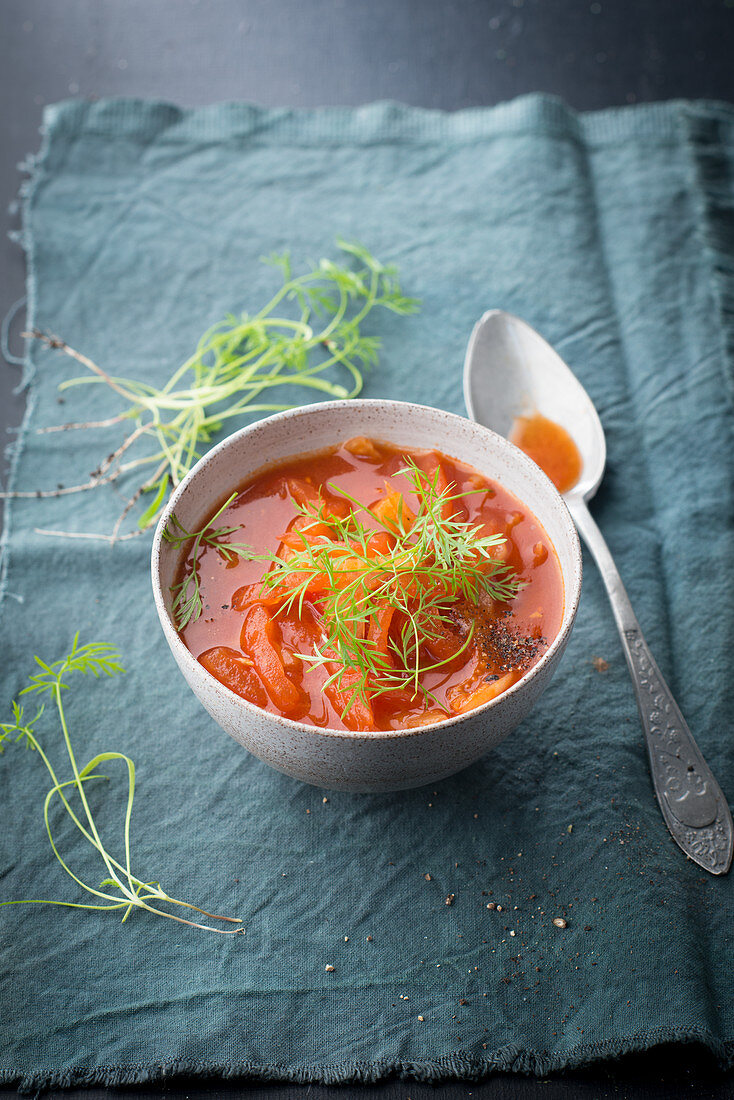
(691, 801)
(692, 804)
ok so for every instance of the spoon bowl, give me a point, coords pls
(511, 371)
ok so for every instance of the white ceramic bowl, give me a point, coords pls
(339, 759)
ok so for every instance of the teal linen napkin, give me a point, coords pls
(612, 234)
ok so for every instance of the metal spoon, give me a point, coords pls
(511, 371)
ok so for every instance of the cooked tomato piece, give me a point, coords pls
(260, 640)
(363, 447)
(244, 597)
(462, 701)
(306, 495)
(450, 509)
(448, 642)
(425, 719)
(360, 715)
(393, 511)
(381, 544)
(379, 628)
(236, 672)
(540, 554)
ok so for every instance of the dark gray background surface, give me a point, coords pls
(593, 53)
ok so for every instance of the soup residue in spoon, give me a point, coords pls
(550, 447)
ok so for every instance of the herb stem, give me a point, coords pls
(240, 358)
(78, 781)
(96, 659)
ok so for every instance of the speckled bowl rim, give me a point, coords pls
(570, 603)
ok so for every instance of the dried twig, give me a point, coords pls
(108, 423)
(87, 535)
(40, 494)
(133, 501)
(58, 344)
(127, 442)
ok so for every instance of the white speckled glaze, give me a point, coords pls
(338, 759)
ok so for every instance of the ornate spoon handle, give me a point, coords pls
(691, 800)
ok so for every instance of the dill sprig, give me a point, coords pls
(435, 563)
(310, 329)
(187, 605)
(120, 890)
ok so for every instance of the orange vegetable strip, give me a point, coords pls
(379, 628)
(291, 541)
(347, 569)
(310, 527)
(425, 719)
(243, 598)
(235, 672)
(488, 690)
(360, 715)
(447, 645)
(260, 640)
(450, 509)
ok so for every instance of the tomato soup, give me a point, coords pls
(376, 588)
(550, 447)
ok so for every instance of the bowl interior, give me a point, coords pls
(316, 427)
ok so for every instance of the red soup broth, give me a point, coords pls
(550, 447)
(251, 646)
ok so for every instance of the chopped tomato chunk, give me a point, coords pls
(310, 528)
(364, 448)
(425, 719)
(540, 553)
(306, 495)
(244, 597)
(380, 544)
(393, 511)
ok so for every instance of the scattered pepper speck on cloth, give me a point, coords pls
(531, 913)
